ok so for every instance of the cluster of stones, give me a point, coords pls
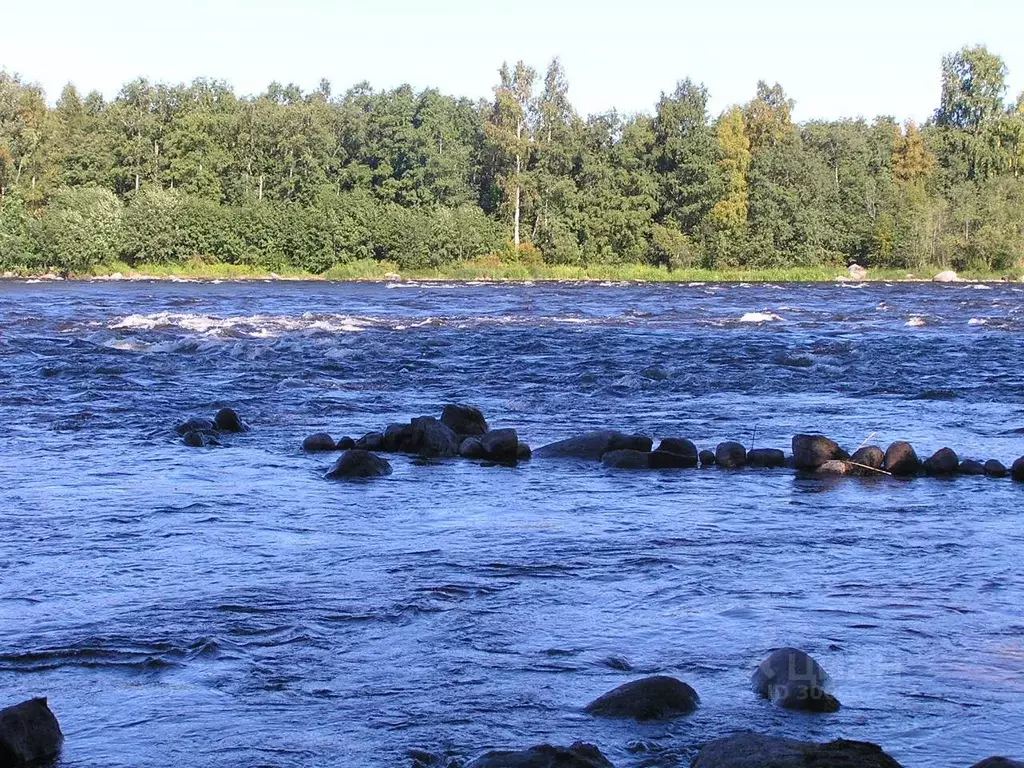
(462, 431)
(198, 432)
(789, 678)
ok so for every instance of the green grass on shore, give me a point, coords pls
(494, 270)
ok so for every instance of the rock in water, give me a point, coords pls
(29, 734)
(319, 442)
(345, 444)
(652, 698)
(432, 439)
(524, 452)
(472, 448)
(995, 468)
(793, 680)
(971, 467)
(356, 464)
(660, 459)
(501, 445)
(946, 276)
(869, 456)
(398, 438)
(707, 458)
(371, 441)
(811, 451)
(943, 463)
(593, 445)
(901, 459)
(195, 424)
(679, 446)
(1017, 470)
(579, 755)
(998, 762)
(627, 459)
(730, 455)
(769, 458)
(464, 420)
(752, 750)
(227, 420)
(836, 468)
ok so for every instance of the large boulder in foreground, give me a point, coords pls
(357, 465)
(730, 455)
(811, 451)
(901, 459)
(579, 755)
(792, 679)
(594, 445)
(752, 750)
(29, 734)
(464, 420)
(652, 698)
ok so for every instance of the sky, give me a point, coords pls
(835, 60)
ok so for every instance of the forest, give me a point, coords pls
(310, 182)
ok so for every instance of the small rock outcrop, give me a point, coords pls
(811, 451)
(627, 459)
(792, 679)
(501, 445)
(594, 445)
(579, 755)
(998, 762)
(836, 467)
(707, 458)
(345, 444)
(768, 458)
(752, 750)
(472, 448)
(227, 420)
(856, 271)
(995, 468)
(29, 734)
(652, 698)
(371, 441)
(971, 467)
(356, 464)
(730, 455)
(681, 447)
(946, 276)
(868, 457)
(464, 420)
(195, 424)
(1017, 470)
(943, 463)
(320, 442)
(200, 439)
(901, 459)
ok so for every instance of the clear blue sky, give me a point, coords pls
(856, 58)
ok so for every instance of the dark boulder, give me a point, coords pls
(345, 444)
(397, 438)
(29, 734)
(868, 456)
(971, 467)
(594, 445)
(464, 420)
(943, 463)
(707, 458)
(371, 441)
(752, 750)
(472, 448)
(1017, 470)
(195, 424)
(200, 439)
(319, 442)
(769, 458)
(652, 698)
(995, 468)
(432, 439)
(501, 445)
(730, 455)
(680, 446)
(998, 762)
(524, 452)
(660, 459)
(227, 420)
(811, 451)
(901, 459)
(356, 464)
(579, 755)
(793, 680)
(627, 459)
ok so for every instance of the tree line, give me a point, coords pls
(289, 179)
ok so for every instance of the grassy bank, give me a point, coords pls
(491, 270)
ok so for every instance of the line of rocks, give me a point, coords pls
(789, 678)
(198, 432)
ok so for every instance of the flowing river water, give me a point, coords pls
(231, 607)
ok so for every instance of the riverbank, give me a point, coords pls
(383, 271)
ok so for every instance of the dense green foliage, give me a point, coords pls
(287, 181)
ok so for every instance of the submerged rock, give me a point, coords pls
(652, 698)
(752, 750)
(995, 468)
(29, 734)
(769, 458)
(1017, 470)
(195, 424)
(792, 679)
(579, 755)
(943, 462)
(594, 445)
(901, 459)
(971, 467)
(464, 420)
(627, 459)
(357, 464)
(730, 455)
(227, 420)
(811, 451)
(319, 442)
